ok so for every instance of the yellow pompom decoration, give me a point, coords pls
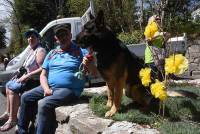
(150, 30)
(152, 33)
(158, 90)
(176, 64)
(145, 76)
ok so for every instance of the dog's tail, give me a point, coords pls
(182, 93)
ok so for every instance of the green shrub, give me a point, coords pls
(98, 105)
(130, 38)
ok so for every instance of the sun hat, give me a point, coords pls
(30, 32)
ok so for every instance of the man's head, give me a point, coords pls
(63, 34)
(32, 36)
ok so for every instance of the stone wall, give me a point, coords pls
(193, 55)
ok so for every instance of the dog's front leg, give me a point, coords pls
(110, 93)
(118, 92)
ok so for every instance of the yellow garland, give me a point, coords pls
(145, 76)
(176, 64)
(158, 90)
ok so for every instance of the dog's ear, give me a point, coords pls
(100, 19)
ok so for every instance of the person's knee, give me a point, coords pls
(24, 98)
(10, 92)
(42, 106)
(7, 91)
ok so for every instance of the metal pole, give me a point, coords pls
(92, 7)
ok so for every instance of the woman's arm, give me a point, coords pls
(44, 83)
(39, 59)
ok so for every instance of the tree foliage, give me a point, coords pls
(123, 16)
(77, 7)
(32, 13)
(175, 14)
(130, 15)
(37, 13)
(119, 14)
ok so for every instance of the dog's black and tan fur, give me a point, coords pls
(117, 65)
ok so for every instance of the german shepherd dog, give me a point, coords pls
(116, 64)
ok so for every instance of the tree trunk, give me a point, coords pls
(141, 17)
(18, 24)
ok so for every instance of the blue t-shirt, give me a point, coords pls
(61, 67)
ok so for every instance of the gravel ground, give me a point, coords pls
(2, 110)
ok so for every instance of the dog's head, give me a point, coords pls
(92, 32)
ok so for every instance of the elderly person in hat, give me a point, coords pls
(59, 84)
(18, 84)
(155, 46)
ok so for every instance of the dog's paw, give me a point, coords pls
(111, 112)
(108, 114)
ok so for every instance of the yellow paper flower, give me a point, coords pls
(176, 64)
(158, 90)
(150, 30)
(145, 76)
(163, 95)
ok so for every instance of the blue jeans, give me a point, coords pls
(33, 102)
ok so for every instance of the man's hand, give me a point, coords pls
(48, 92)
(89, 65)
(86, 61)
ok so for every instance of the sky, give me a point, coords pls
(2, 11)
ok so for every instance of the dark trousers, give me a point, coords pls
(33, 102)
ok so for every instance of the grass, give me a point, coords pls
(182, 114)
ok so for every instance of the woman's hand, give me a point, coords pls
(24, 78)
